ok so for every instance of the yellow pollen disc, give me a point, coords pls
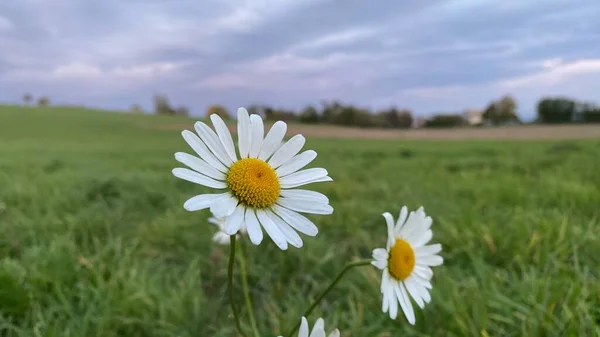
(402, 260)
(253, 182)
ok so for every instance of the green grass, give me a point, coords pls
(94, 240)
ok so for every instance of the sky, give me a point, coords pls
(434, 56)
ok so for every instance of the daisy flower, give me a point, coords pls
(258, 187)
(220, 236)
(318, 329)
(406, 262)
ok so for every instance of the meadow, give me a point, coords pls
(94, 240)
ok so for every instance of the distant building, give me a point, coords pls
(474, 116)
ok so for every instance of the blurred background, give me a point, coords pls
(485, 112)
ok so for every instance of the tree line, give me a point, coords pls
(550, 110)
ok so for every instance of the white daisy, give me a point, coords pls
(318, 329)
(260, 186)
(406, 262)
(220, 236)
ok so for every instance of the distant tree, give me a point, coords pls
(162, 106)
(43, 101)
(268, 112)
(136, 109)
(27, 99)
(556, 110)
(446, 121)
(330, 111)
(502, 111)
(590, 114)
(220, 110)
(256, 110)
(182, 111)
(397, 118)
(309, 115)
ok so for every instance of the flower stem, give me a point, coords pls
(230, 284)
(242, 262)
(324, 293)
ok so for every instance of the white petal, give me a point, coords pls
(380, 254)
(385, 280)
(379, 263)
(423, 282)
(423, 225)
(244, 134)
(318, 328)
(297, 221)
(202, 201)
(272, 230)
(209, 137)
(224, 206)
(304, 206)
(320, 180)
(420, 240)
(224, 136)
(304, 194)
(253, 227)
(234, 222)
(296, 163)
(200, 148)
(411, 287)
(290, 234)
(401, 219)
(303, 328)
(389, 220)
(423, 271)
(212, 219)
(221, 238)
(257, 133)
(385, 304)
(335, 333)
(393, 299)
(195, 177)
(428, 250)
(287, 151)
(423, 292)
(199, 165)
(431, 260)
(302, 177)
(273, 140)
(405, 303)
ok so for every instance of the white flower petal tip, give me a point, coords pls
(277, 167)
(318, 329)
(406, 262)
(221, 237)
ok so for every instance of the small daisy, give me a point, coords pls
(406, 262)
(317, 331)
(259, 188)
(220, 236)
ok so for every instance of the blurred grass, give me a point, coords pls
(94, 240)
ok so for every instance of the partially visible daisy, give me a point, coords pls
(318, 329)
(406, 262)
(220, 236)
(259, 189)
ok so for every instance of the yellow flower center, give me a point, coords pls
(253, 182)
(402, 260)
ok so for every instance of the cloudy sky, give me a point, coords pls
(429, 56)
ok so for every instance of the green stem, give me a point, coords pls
(324, 293)
(242, 262)
(230, 284)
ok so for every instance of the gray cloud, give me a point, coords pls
(428, 56)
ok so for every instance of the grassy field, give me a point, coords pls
(94, 240)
